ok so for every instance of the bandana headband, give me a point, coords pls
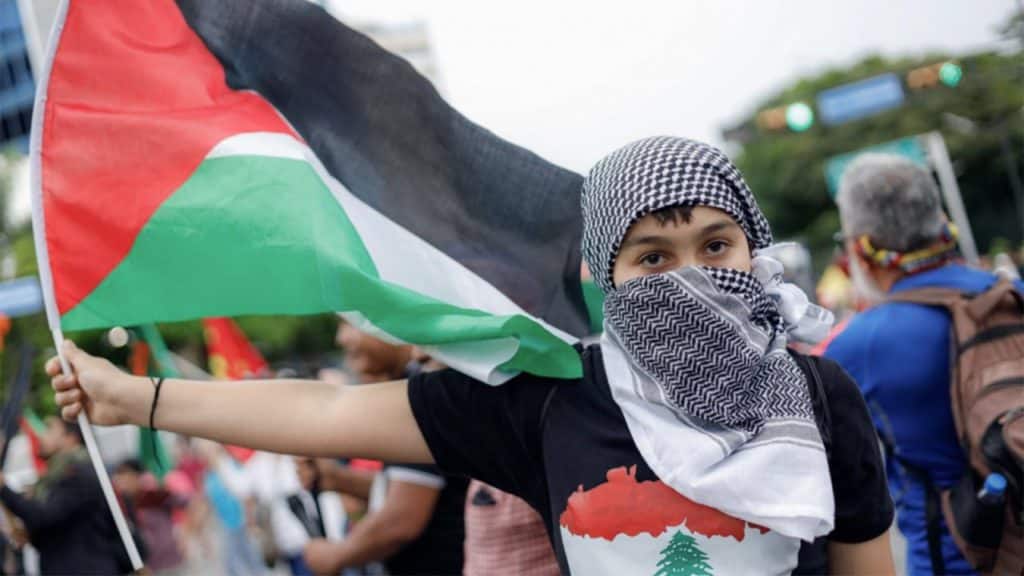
(911, 262)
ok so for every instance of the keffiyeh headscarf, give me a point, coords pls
(656, 173)
(696, 358)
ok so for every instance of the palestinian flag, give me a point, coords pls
(626, 526)
(197, 158)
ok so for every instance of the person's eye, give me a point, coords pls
(716, 247)
(653, 260)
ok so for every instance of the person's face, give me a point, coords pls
(711, 238)
(305, 468)
(52, 438)
(372, 359)
(126, 481)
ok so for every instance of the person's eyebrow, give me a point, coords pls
(716, 227)
(650, 240)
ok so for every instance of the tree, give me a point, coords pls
(683, 557)
(786, 170)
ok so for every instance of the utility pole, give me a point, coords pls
(939, 156)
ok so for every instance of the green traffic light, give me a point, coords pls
(950, 74)
(799, 116)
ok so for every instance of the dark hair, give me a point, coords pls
(129, 465)
(674, 213)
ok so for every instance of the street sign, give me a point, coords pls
(860, 99)
(20, 297)
(909, 148)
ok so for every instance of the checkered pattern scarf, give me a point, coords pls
(715, 344)
(656, 173)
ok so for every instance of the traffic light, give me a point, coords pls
(796, 117)
(948, 73)
(799, 116)
(772, 119)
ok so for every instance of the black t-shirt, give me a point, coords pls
(439, 548)
(549, 440)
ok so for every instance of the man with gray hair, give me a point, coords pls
(899, 239)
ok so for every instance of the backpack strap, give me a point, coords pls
(930, 296)
(819, 399)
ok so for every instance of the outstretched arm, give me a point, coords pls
(285, 416)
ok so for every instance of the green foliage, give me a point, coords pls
(786, 171)
(683, 557)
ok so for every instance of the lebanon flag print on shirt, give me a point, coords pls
(625, 526)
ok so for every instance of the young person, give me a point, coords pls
(693, 441)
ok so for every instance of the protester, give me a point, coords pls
(66, 516)
(416, 525)
(693, 438)
(898, 239)
(150, 507)
(268, 481)
(317, 505)
(504, 535)
(241, 557)
(195, 524)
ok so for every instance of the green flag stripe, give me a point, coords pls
(230, 242)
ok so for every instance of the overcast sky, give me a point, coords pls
(574, 79)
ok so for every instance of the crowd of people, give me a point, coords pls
(224, 511)
(697, 436)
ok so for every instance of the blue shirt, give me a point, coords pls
(899, 356)
(228, 509)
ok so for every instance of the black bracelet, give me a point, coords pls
(157, 383)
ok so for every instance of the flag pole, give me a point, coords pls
(97, 464)
(46, 280)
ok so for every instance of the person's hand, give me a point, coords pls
(19, 535)
(107, 394)
(321, 556)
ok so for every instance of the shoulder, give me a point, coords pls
(957, 276)
(857, 334)
(837, 385)
(837, 382)
(449, 385)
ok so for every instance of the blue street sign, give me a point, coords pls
(20, 297)
(909, 148)
(860, 99)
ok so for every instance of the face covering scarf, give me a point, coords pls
(697, 361)
(696, 358)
